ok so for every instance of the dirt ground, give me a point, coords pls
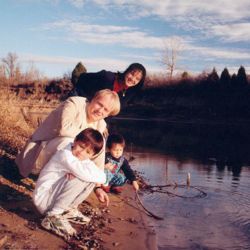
(122, 225)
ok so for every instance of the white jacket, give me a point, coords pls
(61, 163)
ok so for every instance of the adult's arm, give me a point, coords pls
(64, 121)
(90, 83)
(72, 116)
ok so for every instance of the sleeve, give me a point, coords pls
(130, 95)
(84, 170)
(127, 170)
(69, 119)
(99, 159)
(89, 83)
(106, 159)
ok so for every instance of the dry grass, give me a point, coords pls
(14, 129)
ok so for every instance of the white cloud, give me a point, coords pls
(233, 32)
(97, 63)
(189, 15)
(229, 9)
(218, 53)
(77, 3)
(126, 36)
(133, 37)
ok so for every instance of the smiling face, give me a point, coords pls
(133, 77)
(99, 108)
(116, 150)
(81, 151)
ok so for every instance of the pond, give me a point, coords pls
(218, 161)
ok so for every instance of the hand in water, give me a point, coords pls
(135, 185)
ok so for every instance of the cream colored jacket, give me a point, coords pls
(58, 129)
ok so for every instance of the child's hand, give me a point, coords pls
(70, 176)
(109, 166)
(102, 196)
(135, 185)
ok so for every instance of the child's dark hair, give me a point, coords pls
(115, 139)
(91, 138)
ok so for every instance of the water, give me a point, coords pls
(218, 160)
(217, 157)
(221, 220)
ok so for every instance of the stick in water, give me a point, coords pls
(148, 212)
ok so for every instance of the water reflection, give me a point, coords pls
(218, 160)
(218, 221)
(225, 146)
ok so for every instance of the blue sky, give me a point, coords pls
(54, 35)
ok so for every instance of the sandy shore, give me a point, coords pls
(120, 226)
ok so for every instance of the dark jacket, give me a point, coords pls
(89, 83)
(122, 164)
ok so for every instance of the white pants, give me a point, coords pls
(63, 195)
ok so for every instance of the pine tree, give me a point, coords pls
(241, 77)
(213, 77)
(225, 78)
(234, 79)
(78, 70)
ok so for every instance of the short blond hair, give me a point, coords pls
(115, 109)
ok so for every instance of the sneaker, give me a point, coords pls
(59, 226)
(106, 189)
(75, 216)
(116, 189)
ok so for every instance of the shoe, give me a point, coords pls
(75, 216)
(116, 189)
(106, 189)
(59, 226)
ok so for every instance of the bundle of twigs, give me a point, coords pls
(146, 210)
(159, 189)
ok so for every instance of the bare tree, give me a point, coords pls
(32, 74)
(171, 52)
(10, 65)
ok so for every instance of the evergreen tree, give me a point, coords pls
(234, 80)
(78, 70)
(213, 77)
(185, 75)
(241, 77)
(225, 78)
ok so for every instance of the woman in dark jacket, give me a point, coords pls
(126, 84)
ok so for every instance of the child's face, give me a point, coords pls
(80, 151)
(116, 150)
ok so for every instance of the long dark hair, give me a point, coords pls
(131, 67)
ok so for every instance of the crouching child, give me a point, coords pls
(56, 195)
(117, 168)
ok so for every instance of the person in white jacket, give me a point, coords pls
(57, 194)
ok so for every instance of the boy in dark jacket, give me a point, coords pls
(117, 168)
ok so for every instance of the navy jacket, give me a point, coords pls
(89, 83)
(123, 164)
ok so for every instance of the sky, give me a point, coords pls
(54, 35)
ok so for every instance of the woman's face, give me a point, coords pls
(100, 108)
(133, 77)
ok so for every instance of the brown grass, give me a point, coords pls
(14, 129)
